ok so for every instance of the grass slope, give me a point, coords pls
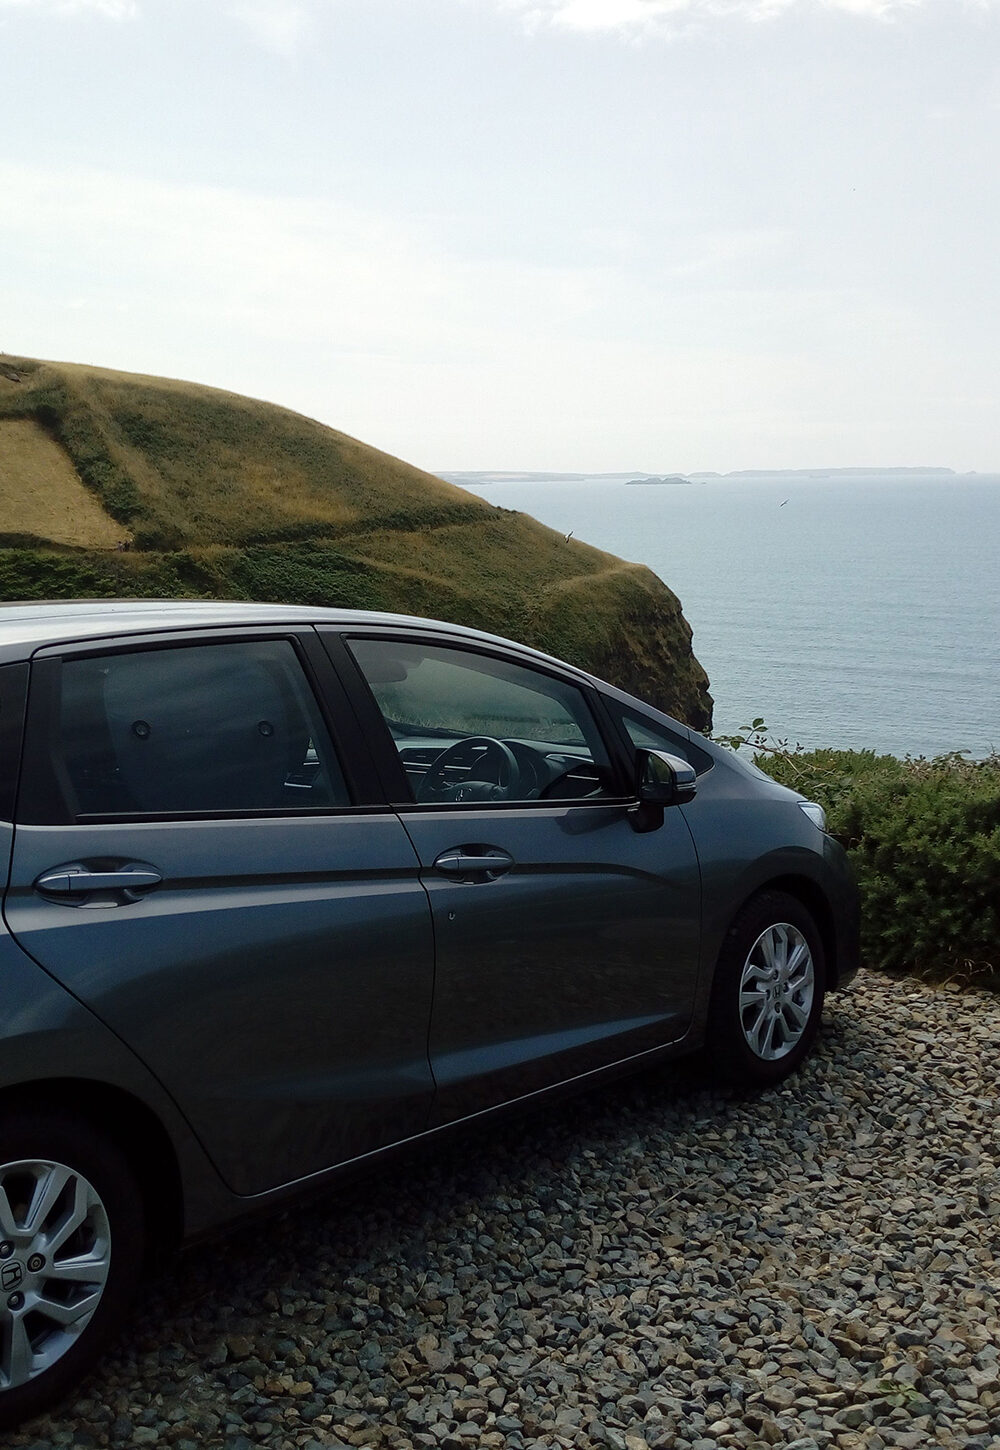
(231, 498)
(56, 506)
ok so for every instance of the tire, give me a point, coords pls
(767, 994)
(72, 1242)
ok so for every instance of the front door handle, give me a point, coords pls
(474, 862)
(80, 883)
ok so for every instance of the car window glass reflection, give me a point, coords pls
(214, 727)
(471, 727)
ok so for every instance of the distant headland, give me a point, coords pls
(484, 477)
(827, 473)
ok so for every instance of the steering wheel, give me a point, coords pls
(497, 757)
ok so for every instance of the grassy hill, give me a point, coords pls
(114, 484)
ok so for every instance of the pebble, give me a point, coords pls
(662, 1264)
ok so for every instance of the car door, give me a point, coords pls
(565, 939)
(198, 859)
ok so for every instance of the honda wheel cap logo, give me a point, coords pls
(11, 1275)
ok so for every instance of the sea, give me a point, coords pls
(853, 609)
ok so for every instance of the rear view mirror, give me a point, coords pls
(387, 670)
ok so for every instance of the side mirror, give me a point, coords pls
(661, 780)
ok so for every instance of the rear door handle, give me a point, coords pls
(471, 862)
(78, 884)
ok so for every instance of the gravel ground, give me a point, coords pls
(659, 1263)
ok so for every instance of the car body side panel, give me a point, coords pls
(47, 1034)
(584, 952)
(747, 843)
(278, 982)
(740, 811)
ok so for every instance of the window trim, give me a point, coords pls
(394, 777)
(42, 799)
(14, 687)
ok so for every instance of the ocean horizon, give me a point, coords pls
(852, 608)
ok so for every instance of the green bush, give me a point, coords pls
(38, 574)
(924, 838)
(299, 575)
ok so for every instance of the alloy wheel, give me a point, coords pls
(55, 1256)
(777, 986)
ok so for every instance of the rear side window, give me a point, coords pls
(218, 728)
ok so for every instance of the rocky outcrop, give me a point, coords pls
(209, 494)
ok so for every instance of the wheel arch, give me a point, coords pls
(812, 897)
(136, 1131)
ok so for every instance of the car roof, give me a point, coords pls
(27, 627)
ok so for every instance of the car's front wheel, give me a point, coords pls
(71, 1250)
(767, 995)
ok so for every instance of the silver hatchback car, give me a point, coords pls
(284, 889)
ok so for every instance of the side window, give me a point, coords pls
(647, 734)
(208, 727)
(472, 727)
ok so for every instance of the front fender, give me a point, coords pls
(745, 847)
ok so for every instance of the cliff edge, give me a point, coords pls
(118, 484)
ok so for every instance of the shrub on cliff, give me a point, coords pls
(924, 838)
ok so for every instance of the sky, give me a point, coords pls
(658, 235)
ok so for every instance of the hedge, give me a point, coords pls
(924, 839)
